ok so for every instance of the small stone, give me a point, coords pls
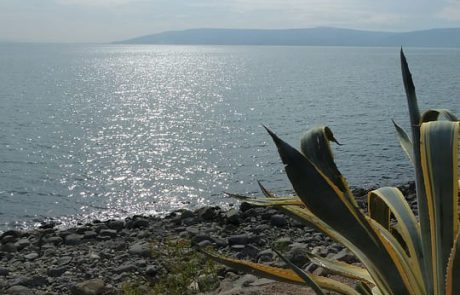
(238, 239)
(298, 256)
(140, 249)
(345, 256)
(73, 239)
(116, 224)
(141, 263)
(31, 282)
(9, 247)
(64, 260)
(245, 206)
(22, 243)
(151, 270)
(90, 287)
(265, 256)
(208, 213)
(89, 234)
(141, 222)
(57, 272)
(200, 238)
(4, 271)
(233, 217)
(9, 239)
(10, 232)
(282, 243)
(55, 240)
(31, 256)
(278, 220)
(108, 233)
(125, 268)
(19, 290)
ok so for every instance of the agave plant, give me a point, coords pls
(399, 253)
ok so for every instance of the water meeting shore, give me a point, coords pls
(103, 257)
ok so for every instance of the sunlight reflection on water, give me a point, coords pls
(108, 131)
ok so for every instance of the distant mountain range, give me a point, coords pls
(320, 36)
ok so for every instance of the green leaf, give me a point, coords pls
(363, 289)
(439, 159)
(415, 118)
(342, 268)
(305, 277)
(281, 274)
(433, 115)
(453, 269)
(329, 199)
(405, 142)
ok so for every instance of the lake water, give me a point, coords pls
(102, 131)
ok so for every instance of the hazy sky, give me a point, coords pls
(109, 20)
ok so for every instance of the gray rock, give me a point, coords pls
(116, 224)
(128, 267)
(200, 238)
(9, 239)
(64, 260)
(278, 220)
(238, 239)
(140, 249)
(141, 222)
(73, 239)
(208, 213)
(55, 240)
(57, 272)
(31, 282)
(9, 248)
(282, 243)
(298, 256)
(232, 216)
(22, 243)
(31, 256)
(265, 256)
(4, 271)
(345, 256)
(108, 233)
(152, 270)
(90, 287)
(19, 290)
(90, 234)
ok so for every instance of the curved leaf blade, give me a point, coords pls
(405, 142)
(439, 159)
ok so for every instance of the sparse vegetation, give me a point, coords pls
(185, 271)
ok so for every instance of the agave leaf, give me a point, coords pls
(306, 216)
(439, 159)
(342, 268)
(433, 115)
(409, 87)
(363, 289)
(315, 146)
(265, 191)
(411, 277)
(393, 202)
(453, 269)
(281, 274)
(305, 277)
(309, 182)
(405, 142)
(414, 115)
(378, 211)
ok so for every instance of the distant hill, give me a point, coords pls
(321, 36)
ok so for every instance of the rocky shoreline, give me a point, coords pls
(102, 257)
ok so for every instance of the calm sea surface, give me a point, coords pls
(102, 131)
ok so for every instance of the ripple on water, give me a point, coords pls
(109, 131)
